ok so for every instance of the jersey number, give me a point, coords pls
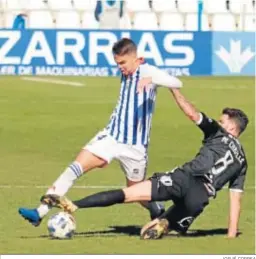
(222, 164)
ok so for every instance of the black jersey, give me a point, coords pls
(221, 157)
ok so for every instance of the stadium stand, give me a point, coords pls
(216, 6)
(247, 23)
(63, 20)
(37, 5)
(125, 22)
(16, 4)
(40, 19)
(82, 5)
(150, 18)
(185, 6)
(89, 21)
(218, 15)
(176, 23)
(164, 6)
(223, 22)
(60, 5)
(191, 22)
(137, 6)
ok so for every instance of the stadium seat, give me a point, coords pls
(137, 5)
(145, 21)
(186, 6)
(89, 21)
(68, 20)
(2, 4)
(37, 5)
(9, 18)
(247, 23)
(59, 5)
(223, 22)
(125, 22)
(40, 19)
(236, 6)
(88, 5)
(239, 7)
(17, 4)
(191, 22)
(250, 7)
(1, 18)
(215, 6)
(250, 23)
(171, 22)
(164, 6)
(1, 21)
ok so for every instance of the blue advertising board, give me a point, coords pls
(233, 53)
(89, 53)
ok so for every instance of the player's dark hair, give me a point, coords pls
(124, 46)
(238, 116)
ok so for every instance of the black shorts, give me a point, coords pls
(187, 192)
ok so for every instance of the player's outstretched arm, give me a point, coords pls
(158, 77)
(234, 213)
(188, 108)
(162, 78)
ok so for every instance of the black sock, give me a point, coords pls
(174, 215)
(155, 208)
(101, 199)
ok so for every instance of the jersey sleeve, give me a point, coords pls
(207, 125)
(160, 77)
(237, 183)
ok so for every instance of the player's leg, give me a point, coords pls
(155, 208)
(133, 162)
(138, 192)
(95, 154)
(157, 228)
(84, 163)
(179, 216)
(157, 188)
(165, 186)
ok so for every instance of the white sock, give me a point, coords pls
(62, 185)
(43, 209)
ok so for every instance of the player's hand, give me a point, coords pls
(232, 234)
(144, 83)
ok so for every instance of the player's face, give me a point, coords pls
(126, 63)
(226, 123)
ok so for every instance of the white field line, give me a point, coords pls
(52, 81)
(80, 187)
(73, 83)
(47, 186)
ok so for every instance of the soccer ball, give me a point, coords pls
(61, 225)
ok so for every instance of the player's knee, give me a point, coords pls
(195, 208)
(129, 195)
(89, 161)
(138, 192)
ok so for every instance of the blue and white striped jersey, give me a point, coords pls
(130, 123)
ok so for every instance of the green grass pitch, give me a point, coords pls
(44, 125)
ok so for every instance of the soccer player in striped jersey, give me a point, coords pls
(125, 138)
